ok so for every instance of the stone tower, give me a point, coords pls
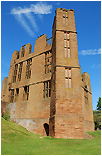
(66, 106)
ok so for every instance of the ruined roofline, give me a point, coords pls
(64, 9)
(86, 73)
(26, 49)
(35, 41)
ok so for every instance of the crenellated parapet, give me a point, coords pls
(24, 52)
(42, 44)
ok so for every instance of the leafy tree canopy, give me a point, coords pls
(99, 104)
(97, 115)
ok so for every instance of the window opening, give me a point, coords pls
(48, 61)
(28, 68)
(68, 78)
(20, 71)
(66, 45)
(15, 73)
(86, 90)
(12, 96)
(47, 89)
(16, 94)
(26, 93)
(86, 96)
(65, 18)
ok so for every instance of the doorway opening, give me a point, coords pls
(46, 127)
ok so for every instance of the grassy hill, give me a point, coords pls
(16, 140)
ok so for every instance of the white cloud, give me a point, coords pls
(39, 9)
(32, 21)
(90, 52)
(58, 3)
(23, 22)
(40, 16)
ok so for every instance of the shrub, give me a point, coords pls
(6, 115)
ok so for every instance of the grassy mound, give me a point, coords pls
(16, 140)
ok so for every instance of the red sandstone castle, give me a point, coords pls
(45, 91)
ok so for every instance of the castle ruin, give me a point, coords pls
(45, 91)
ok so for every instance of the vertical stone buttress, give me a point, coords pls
(66, 117)
(4, 88)
(87, 103)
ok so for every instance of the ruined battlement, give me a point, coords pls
(42, 44)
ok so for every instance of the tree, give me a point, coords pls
(97, 115)
(97, 119)
(99, 104)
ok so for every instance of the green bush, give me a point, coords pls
(6, 115)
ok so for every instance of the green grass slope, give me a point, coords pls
(16, 140)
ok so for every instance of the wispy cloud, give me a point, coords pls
(95, 66)
(58, 3)
(21, 14)
(32, 20)
(40, 16)
(39, 8)
(23, 22)
(90, 52)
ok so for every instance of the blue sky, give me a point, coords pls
(23, 22)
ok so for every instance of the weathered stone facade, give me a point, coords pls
(45, 90)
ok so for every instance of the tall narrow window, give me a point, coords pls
(26, 93)
(65, 18)
(16, 94)
(86, 94)
(28, 68)
(66, 45)
(12, 96)
(47, 89)
(68, 52)
(15, 73)
(48, 61)
(20, 71)
(67, 35)
(65, 52)
(68, 78)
